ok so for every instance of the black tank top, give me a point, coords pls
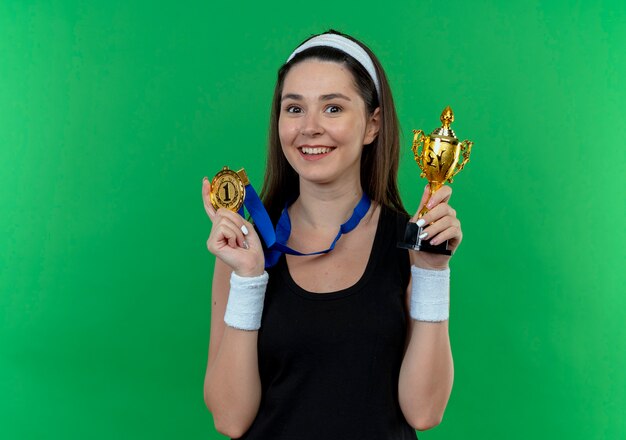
(329, 363)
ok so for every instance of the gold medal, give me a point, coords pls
(228, 189)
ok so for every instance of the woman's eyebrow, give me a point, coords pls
(327, 97)
(291, 96)
(334, 96)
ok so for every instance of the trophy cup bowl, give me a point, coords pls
(438, 157)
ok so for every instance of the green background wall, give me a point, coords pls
(112, 112)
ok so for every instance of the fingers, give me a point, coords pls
(442, 224)
(453, 234)
(230, 228)
(252, 239)
(234, 241)
(225, 233)
(440, 211)
(442, 195)
(206, 198)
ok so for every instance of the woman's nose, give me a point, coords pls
(311, 125)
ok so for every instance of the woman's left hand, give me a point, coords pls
(441, 225)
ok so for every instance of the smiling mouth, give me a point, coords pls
(315, 150)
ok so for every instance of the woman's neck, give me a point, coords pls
(325, 206)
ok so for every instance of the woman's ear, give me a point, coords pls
(372, 127)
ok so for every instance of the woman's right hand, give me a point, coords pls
(233, 240)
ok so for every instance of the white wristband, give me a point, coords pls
(430, 294)
(245, 301)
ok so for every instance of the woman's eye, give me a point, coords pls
(293, 109)
(332, 109)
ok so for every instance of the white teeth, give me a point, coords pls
(316, 150)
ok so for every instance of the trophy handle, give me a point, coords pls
(466, 149)
(419, 139)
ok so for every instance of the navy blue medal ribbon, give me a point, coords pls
(275, 240)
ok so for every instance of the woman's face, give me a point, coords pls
(323, 123)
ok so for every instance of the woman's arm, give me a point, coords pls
(232, 387)
(427, 370)
(426, 374)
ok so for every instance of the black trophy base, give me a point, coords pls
(414, 242)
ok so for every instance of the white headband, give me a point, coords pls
(345, 45)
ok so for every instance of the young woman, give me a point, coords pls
(347, 344)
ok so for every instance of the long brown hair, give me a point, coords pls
(380, 159)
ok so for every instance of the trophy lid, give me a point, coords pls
(447, 118)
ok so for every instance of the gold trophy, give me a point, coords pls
(438, 159)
